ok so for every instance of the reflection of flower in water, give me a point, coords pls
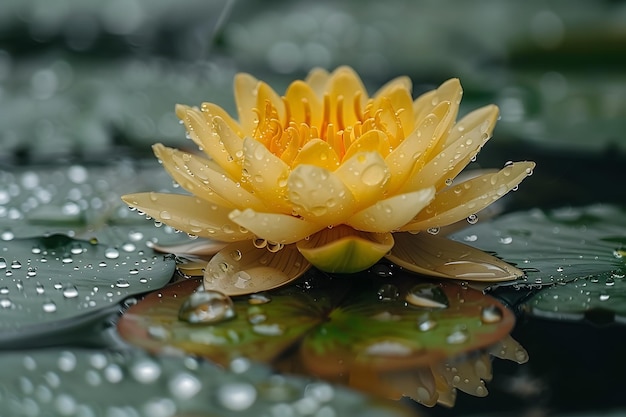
(328, 176)
(439, 382)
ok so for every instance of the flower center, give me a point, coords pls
(339, 125)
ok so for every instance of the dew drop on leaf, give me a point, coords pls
(428, 296)
(207, 307)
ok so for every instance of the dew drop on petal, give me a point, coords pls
(207, 307)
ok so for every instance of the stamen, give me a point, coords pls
(325, 114)
(287, 112)
(339, 113)
(307, 111)
(358, 111)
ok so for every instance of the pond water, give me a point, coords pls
(94, 321)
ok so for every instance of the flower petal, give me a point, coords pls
(319, 195)
(400, 119)
(304, 105)
(469, 197)
(317, 152)
(366, 176)
(209, 179)
(232, 142)
(444, 258)
(211, 110)
(265, 94)
(266, 174)
(207, 138)
(408, 158)
(274, 227)
(371, 141)
(241, 268)
(198, 247)
(391, 214)
(450, 91)
(189, 214)
(466, 139)
(245, 87)
(172, 161)
(398, 82)
(345, 90)
(345, 250)
(318, 79)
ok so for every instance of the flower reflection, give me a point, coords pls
(326, 175)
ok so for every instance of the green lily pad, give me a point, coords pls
(93, 383)
(50, 285)
(579, 252)
(333, 327)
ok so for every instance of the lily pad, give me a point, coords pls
(53, 284)
(332, 327)
(579, 251)
(132, 383)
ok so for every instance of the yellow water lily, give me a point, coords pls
(326, 175)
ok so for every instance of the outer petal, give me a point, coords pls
(245, 99)
(319, 195)
(345, 250)
(409, 157)
(462, 200)
(207, 178)
(190, 214)
(241, 268)
(211, 110)
(440, 257)
(391, 214)
(278, 228)
(366, 176)
(173, 162)
(463, 143)
(207, 138)
(450, 91)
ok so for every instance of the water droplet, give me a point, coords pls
(389, 348)
(491, 314)
(472, 219)
(111, 253)
(145, 371)
(268, 329)
(426, 323)
(207, 307)
(184, 386)
(428, 296)
(3, 263)
(259, 298)
(122, 283)
(5, 303)
(388, 292)
(374, 175)
(236, 255)
(49, 306)
(70, 291)
(236, 396)
(457, 337)
(433, 230)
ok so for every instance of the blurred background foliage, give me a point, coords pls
(85, 77)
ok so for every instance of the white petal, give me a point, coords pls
(390, 214)
(440, 257)
(241, 268)
(319, 195)
(188, 213)
(274, 227)
(460, 201)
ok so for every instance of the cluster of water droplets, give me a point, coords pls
(73, 382)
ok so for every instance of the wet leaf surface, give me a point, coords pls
(52, 284)
(131, 383)
(339, 328)
(580, 251)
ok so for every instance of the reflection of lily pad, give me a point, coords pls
(341, 326)
(90, 383)
(52, 283)
(579, 249)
